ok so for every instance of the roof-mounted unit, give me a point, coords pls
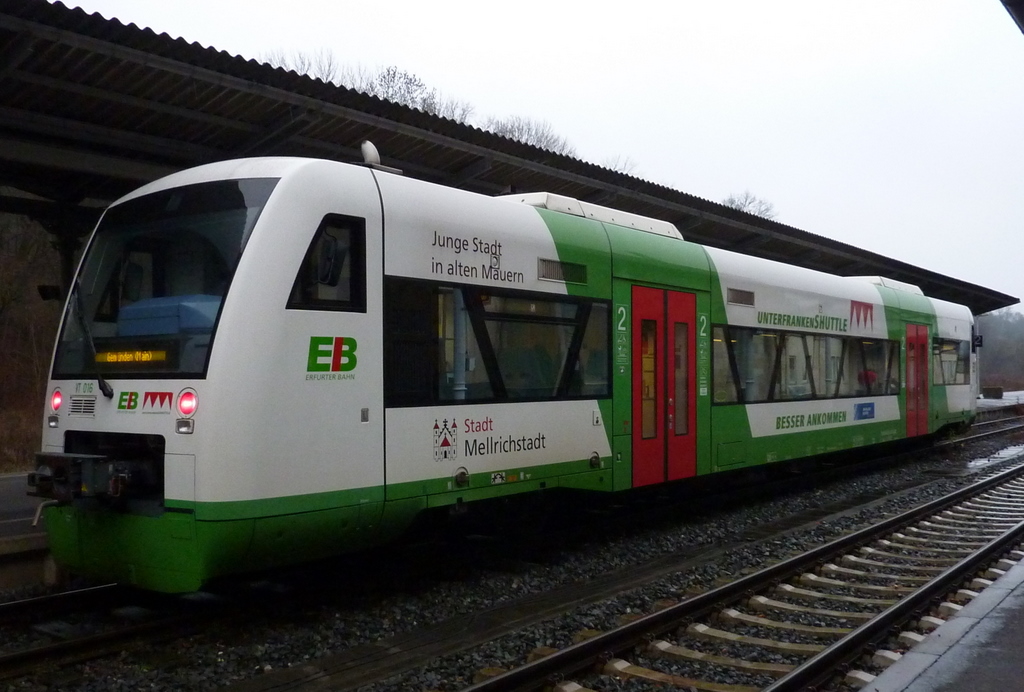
(371, 158)
(568, 205)
(890, 283)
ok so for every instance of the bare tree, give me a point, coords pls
(402, 86)
(1000, 361)
(539, 133)
(389, 83)
(320, 64)
(28, 326)
(620, 163)
(751, 204)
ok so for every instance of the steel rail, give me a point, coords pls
(21, 662)
(579, 657)
(12, 609)
(823, 665)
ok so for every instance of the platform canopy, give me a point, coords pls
(91, 108)
(1016, 10)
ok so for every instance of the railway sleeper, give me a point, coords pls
(969, 528)
(856, 560)
(701, 631)
(998, 517)
(811, 595)
(962, 546)
(664, 649)
(569, 686)
(865, 550)
(989, 505)
(836, 569)
(947, 536)
(995, 518)
(621, 669)
(765, 603)
(1001, 502)
(972, 523)
(809, 579)
(733, 616)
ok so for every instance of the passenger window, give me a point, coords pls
(447, 343)
(951, 361)
(333, 273)
(755, 365)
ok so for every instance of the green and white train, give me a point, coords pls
(272, 360)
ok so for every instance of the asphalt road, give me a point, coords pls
(17, 508)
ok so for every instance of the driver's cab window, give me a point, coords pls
(333, 272)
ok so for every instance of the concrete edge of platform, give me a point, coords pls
(25, 561)
(915, 662)
(24, 543)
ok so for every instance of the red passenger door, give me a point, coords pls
(917, 380)
(664, 393)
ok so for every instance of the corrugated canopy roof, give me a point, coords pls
(1016, 10)
(91, 108)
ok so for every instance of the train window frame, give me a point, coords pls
(177, 247)
(421, 347)
(960, 373)
(319, 267)
(739, 376)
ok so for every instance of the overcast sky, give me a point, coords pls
(892, 125)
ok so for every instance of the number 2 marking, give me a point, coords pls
(622, 318)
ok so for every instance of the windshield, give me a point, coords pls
(153, 279)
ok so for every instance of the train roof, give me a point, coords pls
(93, 108)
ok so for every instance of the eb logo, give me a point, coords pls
(128, 401)
(152, 402)
(331, 354)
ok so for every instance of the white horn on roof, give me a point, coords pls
(371, 158)
(370, 153)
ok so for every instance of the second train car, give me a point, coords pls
(272, 360)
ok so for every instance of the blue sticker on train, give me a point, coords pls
(864, 411)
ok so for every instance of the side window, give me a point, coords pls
(951, 361)
(333, 272)
(754, 365)
(757, 352)
(723, 361)
(447, 343)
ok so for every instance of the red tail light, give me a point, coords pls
(188, 402)
(56, 399)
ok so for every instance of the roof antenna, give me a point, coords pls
(371, 158)
(370, 154)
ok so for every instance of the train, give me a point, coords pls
(268, 361)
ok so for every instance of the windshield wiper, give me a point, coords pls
(105, 387)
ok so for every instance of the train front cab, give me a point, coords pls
(246, 480)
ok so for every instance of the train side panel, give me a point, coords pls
(484, 293)
(785, 382)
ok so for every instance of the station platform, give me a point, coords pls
(980, 649)
(987, 407)
(1008, 399)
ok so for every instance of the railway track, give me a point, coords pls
(374, 662)
(755, 634)
(83, 624)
